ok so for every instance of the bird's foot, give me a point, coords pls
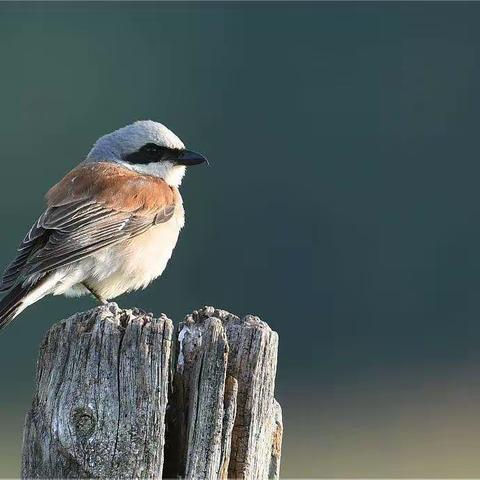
(100, 299)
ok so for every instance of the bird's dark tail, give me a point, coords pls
(11, 304)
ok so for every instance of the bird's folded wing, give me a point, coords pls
(77, 227)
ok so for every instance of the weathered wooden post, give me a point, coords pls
(122, 394)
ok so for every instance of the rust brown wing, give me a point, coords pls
(103, 205)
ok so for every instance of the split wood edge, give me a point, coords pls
(123, 394)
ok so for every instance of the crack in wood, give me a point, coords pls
(114, 399)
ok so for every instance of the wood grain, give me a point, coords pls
(114, 387)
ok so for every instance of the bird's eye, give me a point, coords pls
(152, 149)
(149, 153)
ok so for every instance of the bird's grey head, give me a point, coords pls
(146, 147)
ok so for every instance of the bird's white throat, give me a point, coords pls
(171, 173)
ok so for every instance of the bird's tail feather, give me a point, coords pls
(13, 303)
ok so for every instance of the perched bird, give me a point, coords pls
(110, 225)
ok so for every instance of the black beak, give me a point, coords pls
(189, 158)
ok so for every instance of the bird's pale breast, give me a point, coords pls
(132, 264)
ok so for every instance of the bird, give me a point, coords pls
(110, 225)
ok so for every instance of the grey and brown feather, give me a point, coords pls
(67, 233)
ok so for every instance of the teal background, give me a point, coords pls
(341, 205)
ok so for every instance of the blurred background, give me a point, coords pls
(341, 205)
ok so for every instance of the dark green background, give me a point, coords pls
(341, 205)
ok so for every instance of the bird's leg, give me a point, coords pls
(102, 300)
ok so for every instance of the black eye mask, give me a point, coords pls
(151, 153)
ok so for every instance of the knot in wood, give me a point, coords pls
(84, 421)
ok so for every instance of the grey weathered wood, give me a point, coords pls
(277, 435)
(198, 396)
(229, 413)
(101, 397)
(251, 361)
(100, 408)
